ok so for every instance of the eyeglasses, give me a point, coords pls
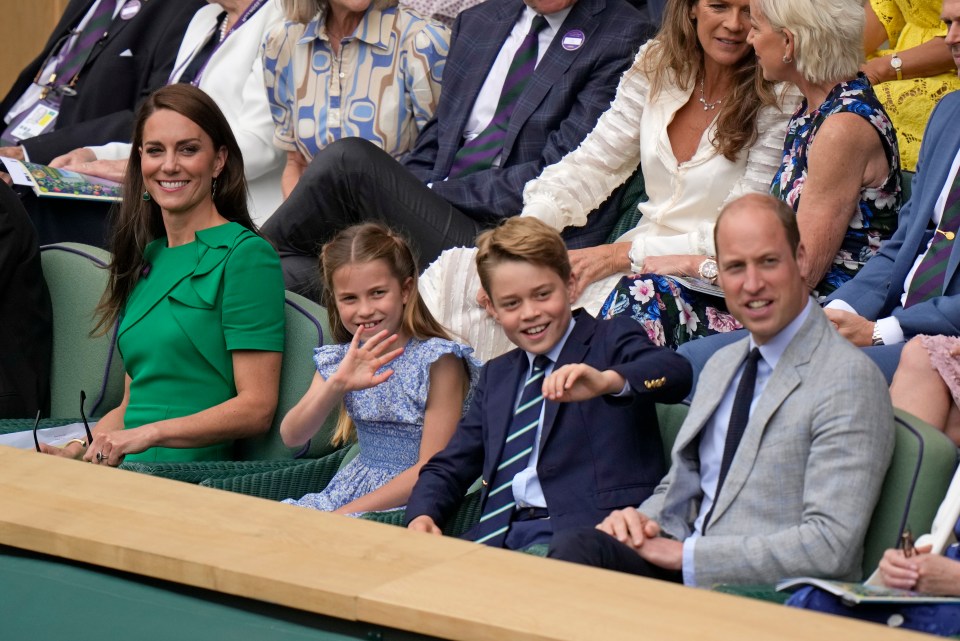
(83, 416)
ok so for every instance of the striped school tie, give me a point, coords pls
(96, 28)
(498, 509)
(928, 280)
(479, 153)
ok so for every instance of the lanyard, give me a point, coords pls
(246, 15)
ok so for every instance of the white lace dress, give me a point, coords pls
(684, 199)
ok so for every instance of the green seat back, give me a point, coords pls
(306, 329)
(916, 482)
(76, 278)
(670, 417)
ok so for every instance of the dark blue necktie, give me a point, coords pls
(499, 507)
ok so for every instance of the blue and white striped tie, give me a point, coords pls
(499, 506)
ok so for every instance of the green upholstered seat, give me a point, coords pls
(76, 277)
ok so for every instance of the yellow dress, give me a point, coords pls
(909, 102)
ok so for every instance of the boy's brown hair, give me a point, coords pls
(522, 239)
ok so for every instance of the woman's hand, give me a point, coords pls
(358, 370)
(593, 263)
(109, 448)
(72, 450)
(292, 171)
(922, 572)
(672, 265)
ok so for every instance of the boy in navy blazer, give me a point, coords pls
(559, 443)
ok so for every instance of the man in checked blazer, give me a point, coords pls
(801, 486)
(584, 49)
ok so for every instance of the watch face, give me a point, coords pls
(896, 62)
(708, 270)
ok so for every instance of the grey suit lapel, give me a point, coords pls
(783, 381)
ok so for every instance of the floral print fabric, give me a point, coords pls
(669, 312)
(876, 216)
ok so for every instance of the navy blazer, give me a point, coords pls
(558, 108)
(135, 59)
(876, 289)
(595, 456)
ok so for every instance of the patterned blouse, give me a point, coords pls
(876, 217)
(383, 86)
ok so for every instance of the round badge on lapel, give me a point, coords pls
(130, 9)
(573, 40)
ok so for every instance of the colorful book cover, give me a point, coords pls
(62, 183)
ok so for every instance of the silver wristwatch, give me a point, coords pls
(877, 338)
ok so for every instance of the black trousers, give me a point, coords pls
(590, 546)
(60, 220)
(353, 181)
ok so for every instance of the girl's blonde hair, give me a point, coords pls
(363, 244)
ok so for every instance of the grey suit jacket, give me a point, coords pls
(802, 487)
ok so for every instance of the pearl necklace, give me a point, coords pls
(224, 28)
(707, 106)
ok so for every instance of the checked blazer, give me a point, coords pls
(559, 107)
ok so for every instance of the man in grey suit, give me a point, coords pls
(779, 463)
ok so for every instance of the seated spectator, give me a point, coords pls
(564, 426)
(337, 69)
(927, 382)
(913, 72)
(25, 315)
(199, 296)
(102, 59)
(779, 463)
(220, 53)
(400, 381)
(486, 140)
(695, 117)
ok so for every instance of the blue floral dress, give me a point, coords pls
(876, 217)
(388, 418)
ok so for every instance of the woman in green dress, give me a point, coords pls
(198, 293)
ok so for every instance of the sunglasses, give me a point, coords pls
(83, 415)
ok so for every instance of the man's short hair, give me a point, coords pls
(522, 239)
(783, 212)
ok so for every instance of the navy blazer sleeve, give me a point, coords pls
(876, 289)
(130, 67)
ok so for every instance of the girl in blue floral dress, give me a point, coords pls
(401, 383)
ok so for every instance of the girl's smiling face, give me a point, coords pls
(370, 298)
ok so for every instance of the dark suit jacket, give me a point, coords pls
(595, 456)
(559, 107)
(876, 289)
(26, 318)
(111, 85)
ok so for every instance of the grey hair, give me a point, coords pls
(303, 11)
(828, 35)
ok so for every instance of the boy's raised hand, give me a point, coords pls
(580, 382)
(358, 370)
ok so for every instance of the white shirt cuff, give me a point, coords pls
(890, 330)
(841, 305)
(689, 547)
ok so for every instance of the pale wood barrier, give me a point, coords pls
(362, 571)
(25, 28)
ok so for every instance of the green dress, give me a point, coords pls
(193, 305)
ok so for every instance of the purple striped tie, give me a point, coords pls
(928, 280)
(77, 56)
(479, 153)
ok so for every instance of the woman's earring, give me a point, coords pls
(787, 60)
(146, 196)
(213, 187)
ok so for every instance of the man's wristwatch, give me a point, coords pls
(708, 270)
(897, 65)
(877, 338)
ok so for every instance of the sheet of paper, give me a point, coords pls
(49, 435)
(18, 173)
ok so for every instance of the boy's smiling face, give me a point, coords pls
(532, 304)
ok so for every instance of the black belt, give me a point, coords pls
(530, 514)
